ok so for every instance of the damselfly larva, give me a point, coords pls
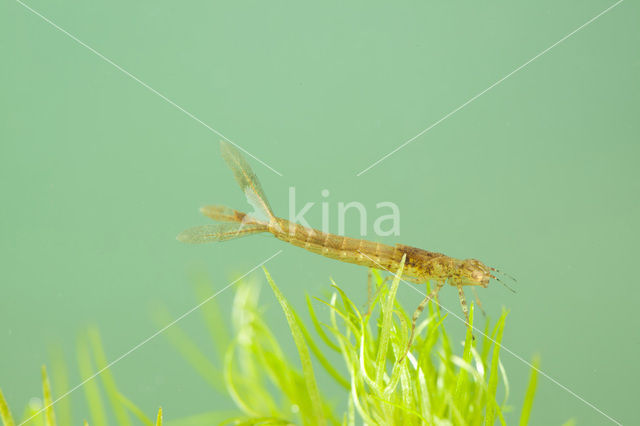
(420, 265)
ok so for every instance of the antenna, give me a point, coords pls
(504, 275)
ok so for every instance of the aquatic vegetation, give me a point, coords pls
(50, 411)
(361, 349)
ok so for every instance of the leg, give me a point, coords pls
(463, 303)
(417, 313)
(478, 303)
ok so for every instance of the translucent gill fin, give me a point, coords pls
(248, 181)
(221, 232)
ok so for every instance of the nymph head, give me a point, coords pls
(474, 272)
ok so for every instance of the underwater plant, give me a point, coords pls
(53, 410)
(431, 385)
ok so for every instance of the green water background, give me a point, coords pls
(538, 176)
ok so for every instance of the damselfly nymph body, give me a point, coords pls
(419, 266)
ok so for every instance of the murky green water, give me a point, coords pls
(538, 175)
